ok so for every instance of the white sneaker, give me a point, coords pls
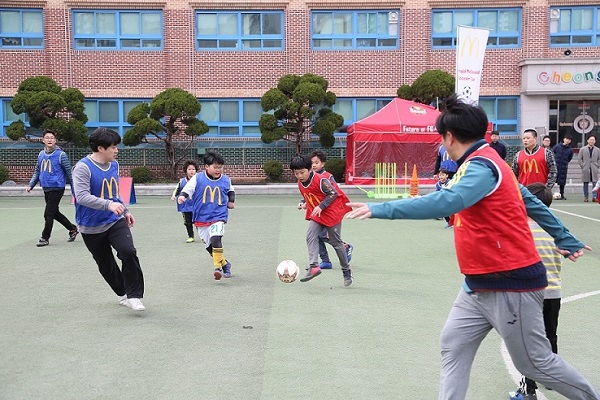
(135, 304)
(123, 300)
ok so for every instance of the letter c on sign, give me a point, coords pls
(543, 78)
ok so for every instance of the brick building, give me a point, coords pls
(541, 64)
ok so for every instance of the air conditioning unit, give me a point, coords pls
(392, 17)
(554, 13)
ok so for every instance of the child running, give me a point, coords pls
(190, 167)
(214, 197)
(553, 263)
(325, 206)
(317, 159)
(104, 221)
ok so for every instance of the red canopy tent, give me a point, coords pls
(402, 132)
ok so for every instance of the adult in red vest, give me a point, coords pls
(504, 276)
(534, 163)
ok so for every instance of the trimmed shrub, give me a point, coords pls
(3, 174)
(337, 168)
(141, 174)
(273, 169)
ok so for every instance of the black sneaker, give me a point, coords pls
(72, 235)
(42, 242)
(347, 277)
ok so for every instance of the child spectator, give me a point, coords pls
(53, 171)
(553, 263)
(214, 197)
(325, 206)
(190, 167)
(104, 221)
(442, 182)
(318, 159)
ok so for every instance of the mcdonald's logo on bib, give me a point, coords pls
(213, 192)
(47, 165)
(530, 166)
(112, 189)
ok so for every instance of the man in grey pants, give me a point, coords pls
(504, 275)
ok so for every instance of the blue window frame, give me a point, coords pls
(231, 117)
(7, 116)
(21, 28)
(504, 25)
(347, 29)
(355, 109)
(574, 26)
(503, 113)
(110, 113)
(239, 30)
(121, 30)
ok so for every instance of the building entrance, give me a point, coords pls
(578, 118)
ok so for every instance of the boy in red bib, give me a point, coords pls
(325, 206)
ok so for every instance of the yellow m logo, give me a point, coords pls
(213, 193)
(529, 166)
(312, 199)
(110, 186)
(470, 45)
(47, 165)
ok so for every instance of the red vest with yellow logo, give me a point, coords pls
(532, 167)
(313, 196)
(493, 235)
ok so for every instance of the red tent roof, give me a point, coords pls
(399, 116)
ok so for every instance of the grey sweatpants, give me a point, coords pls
(335, 240)
(517, 317)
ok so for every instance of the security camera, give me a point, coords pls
(568, 53)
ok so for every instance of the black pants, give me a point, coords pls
(131, 280)
(551, 311)
(187, 221)
(51, 213)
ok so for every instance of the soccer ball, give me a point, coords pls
(556, 196)
(287, 271)
(467, 92)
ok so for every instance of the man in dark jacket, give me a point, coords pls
(563, 153)
(496, 145)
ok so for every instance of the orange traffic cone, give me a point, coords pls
(414, 183)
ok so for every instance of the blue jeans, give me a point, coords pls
(586, 189)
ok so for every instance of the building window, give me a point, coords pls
(231, 117)
(334, 30)
(502, 112)
(21, 28)
(504, 25)
(7, 116)
(121, 30)
(244, 30)
(110, 113)
(356, 109)
(575, 26)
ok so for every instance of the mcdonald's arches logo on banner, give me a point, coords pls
(112, 189)
(47, 165)
(470, 45)
(213, 193)
(530, 165)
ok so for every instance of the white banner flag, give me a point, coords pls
(470, 49)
